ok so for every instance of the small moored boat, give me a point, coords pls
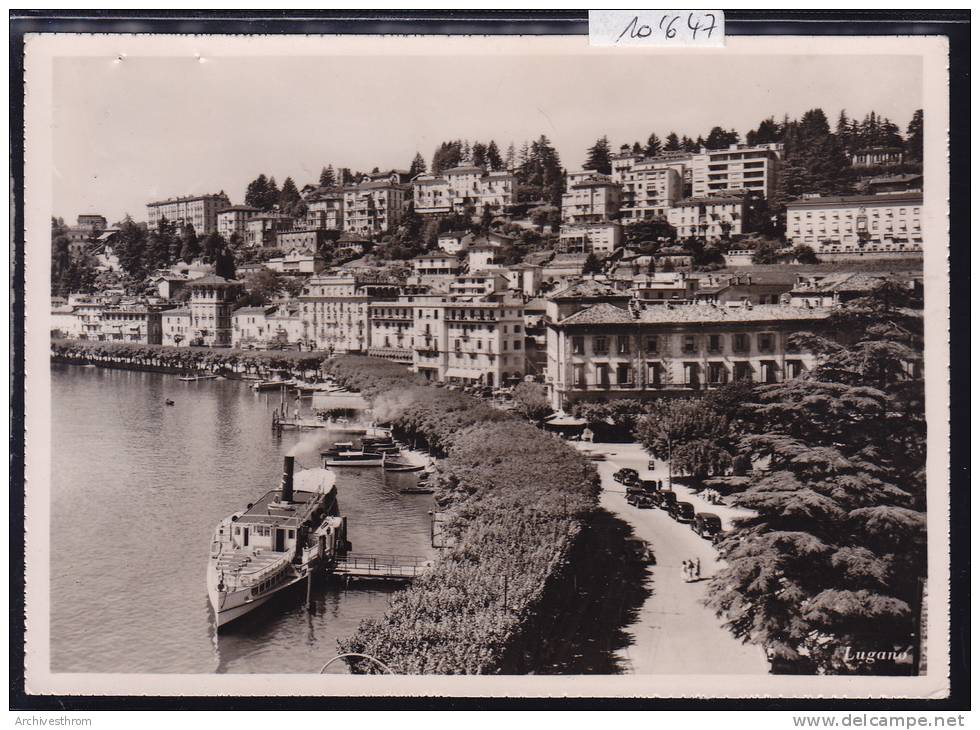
(352, 458)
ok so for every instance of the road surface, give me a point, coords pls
(673, 633)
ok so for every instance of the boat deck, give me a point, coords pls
(264, 511)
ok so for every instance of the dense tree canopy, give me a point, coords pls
(599, 157)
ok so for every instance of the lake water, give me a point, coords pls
(137, 489)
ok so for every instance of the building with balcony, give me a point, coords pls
(760, 287)
(459, 188)
(712, 219)
(605, 351)
(454, 241)
(468, 339)
(325, 209)
(262, 230)
(858, 224)
(590, 198)
(833, 290)
(211, 304)
(877, 157)
(138, 323)
(310, 239)
(201, 211)
(602, 237)
(374, 206)
(739, 167)
(232, 220)
(175, 325)
(391, 327)
(649, 188)
(334, 311)
(435, 268)
(298, 262)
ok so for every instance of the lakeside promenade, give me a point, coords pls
(673, 632)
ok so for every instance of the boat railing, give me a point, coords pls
(370, 560)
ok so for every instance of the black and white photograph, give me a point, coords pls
(465, 365)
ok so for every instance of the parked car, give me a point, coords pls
(640, 551)
(682, 511)
(627, 476)
(652, 464)
(664, 499)
(706, 524)
(648, 485)
(595, 456)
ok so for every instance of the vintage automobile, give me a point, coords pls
(627, 476)
(648, 485)
(682, 511)
(706, 524)
(639, 498)
(664, 499)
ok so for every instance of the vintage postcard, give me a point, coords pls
(471, 366)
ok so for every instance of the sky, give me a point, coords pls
(151, 128)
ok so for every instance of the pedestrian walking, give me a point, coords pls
(697, 569)
(685, 572)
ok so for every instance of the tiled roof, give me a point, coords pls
(883, 199)
(842, 282)
(230, 208)
(696, 314)
(212, 280)
(464, 169)
(181, 312)
(454, 234)
(587, 288)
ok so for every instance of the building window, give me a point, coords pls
(578, 345)
(578, 375)
(794, 368)
(623, 375)
(740, 343)
(717, 373)
(743, 371)
(769, 371)
(602, 375)
(690, 344)
(767, 341)
(652, 344)
(654, 374)
(600, 345)
(623, 344)
(692, 374)
(714, 343)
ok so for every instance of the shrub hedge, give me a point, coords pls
(516, 497)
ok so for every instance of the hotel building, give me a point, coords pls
(857, 223)
(709, 218)
(457, 188)
(740, 167)
(199, 210)
(232, 220)
(211, 304)
(334, 311)
(375, 206)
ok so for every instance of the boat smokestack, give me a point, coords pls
(287, 478)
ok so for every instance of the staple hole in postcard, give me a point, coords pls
(661, 28)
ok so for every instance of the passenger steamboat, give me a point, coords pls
(290, 533)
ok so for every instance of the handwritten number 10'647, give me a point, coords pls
(668, 26)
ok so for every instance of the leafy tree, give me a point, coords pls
(719, 139)
(189, 246)
(493, 156)
(60, 254)
(647, 236)
(214, 244)
(689, 145)
(805, 255)
(531, 401)
(446, 156)
(835, 554)
(224, 263)
(672, 144)
(157, 251)
(592, 265)
(767, 252)
(599, 157)
(689, 434)
(914, 137)
(257, 193)
(131, 243)
(615, 420)
(540, 175)
(654, 146)
(768, 131)
(327, 177)
(418, 165)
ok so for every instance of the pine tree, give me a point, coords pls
(479, 154)
(673, 144)
(511, 159)
(637, 148)
(843, 129)
(654, 146)
(466, 152)
(257, 192)
(418, 165)
(271, 195)
(592, 265)
(493, 156)
(599, 157)
(189, 246)
(289, 197)
(835, 554)
(914, 137)
(213, 245)
(131, 243)
(327, 177)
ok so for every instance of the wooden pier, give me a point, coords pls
(384, 567)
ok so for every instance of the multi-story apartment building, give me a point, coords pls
(309, 239)
(88, 312)
(740, 167)
(249, 326)
(232, 220)
(590, 198)
(374, 206)
(857, 223)
(334, 311)
(832, 290)
(391, 325)
(92, 222)
(132, 323)
(468, 339)
(462, 187)
(650, 188)
(435, 268)
(637, 351)
(479, 283)
(176, 327)
(711, 218)
(590, 237)
(325, 209)
(877, 157)
(261, 230)
(199, 210)
(211, 304)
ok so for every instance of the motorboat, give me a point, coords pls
(201, 376)
(280, 540)
(352, 458)
(402, 466)
(266, 385)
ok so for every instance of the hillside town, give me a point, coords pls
(674, 266)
